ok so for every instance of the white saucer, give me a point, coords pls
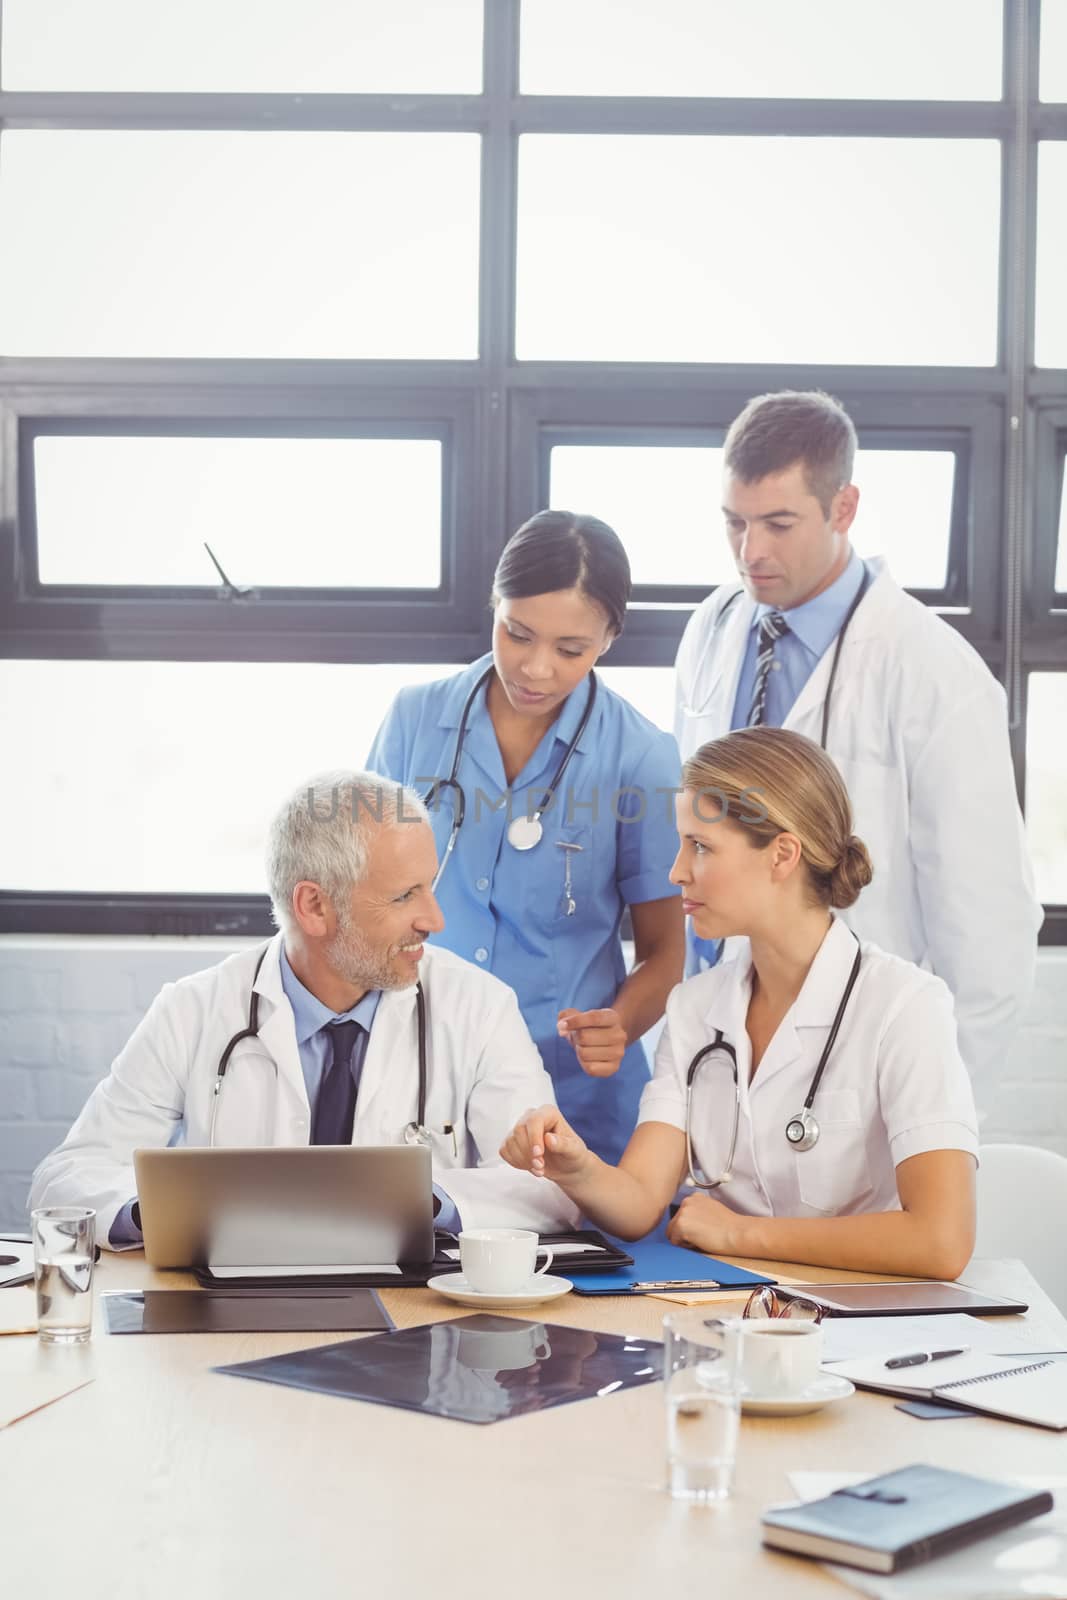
(826, 1387)
(541, 1287)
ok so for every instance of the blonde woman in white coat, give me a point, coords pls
(767, 853)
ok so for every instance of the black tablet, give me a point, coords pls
(901, 1299)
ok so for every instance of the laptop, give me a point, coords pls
(287, 1212)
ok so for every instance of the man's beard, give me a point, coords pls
(360, 963)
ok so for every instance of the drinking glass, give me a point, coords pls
(63, 1254)
(701, 1371)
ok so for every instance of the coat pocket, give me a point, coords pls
(832, 1176)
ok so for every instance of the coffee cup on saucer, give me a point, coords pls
(500, 1260)
(779, 1357)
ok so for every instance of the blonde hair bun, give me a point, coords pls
(852, 873)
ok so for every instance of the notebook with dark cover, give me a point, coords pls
(598, 1254)
(269, 1311)
(901, 1518)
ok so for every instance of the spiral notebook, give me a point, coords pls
(1003, 1386)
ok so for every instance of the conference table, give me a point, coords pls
(163, 1478)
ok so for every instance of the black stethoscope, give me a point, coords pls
(414, 1133)
(801, 1131)
(523, 833)
(849, 614)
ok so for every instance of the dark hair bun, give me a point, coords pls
(852, 873)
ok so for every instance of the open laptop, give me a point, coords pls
(289, 1212)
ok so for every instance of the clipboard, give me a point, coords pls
(659, 1266)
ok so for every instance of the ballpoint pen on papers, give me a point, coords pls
(925, 1355)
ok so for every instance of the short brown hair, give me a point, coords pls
(775, 431)
(772, 781)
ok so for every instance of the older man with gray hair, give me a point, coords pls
(334, 1058)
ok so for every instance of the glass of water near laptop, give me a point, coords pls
(63, 1254)
(500, 1260)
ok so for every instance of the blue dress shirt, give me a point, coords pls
(505, 909)
(312, 1019)
(813, 627)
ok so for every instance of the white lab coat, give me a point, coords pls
(894, 1085)
(483, 1073)
(919, 732)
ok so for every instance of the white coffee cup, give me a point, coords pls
(499, 1260)
(779, 1357)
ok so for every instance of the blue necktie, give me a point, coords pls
(335, 1107)
(771, 629)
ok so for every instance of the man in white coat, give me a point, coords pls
(334, 1060)
(816, 640)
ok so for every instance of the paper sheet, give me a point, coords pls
(558, 1250)
(18, 1310)
(16, 1260)
(1028, 1562)
(853, 1338)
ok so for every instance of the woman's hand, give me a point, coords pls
(706, 1224)
(598, 1037)
(544, 1143)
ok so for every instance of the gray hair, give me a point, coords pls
(322, 834)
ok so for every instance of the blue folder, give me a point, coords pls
(658, 1262)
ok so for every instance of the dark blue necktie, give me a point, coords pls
(771, 629)
(335, 1107)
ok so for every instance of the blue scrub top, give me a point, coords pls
(504, 909)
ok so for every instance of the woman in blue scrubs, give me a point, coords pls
(545, 918)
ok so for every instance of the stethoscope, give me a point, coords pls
(523, 833)
(849, 614)
(414, 1133)
(801, 1131)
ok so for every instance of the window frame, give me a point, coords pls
(498, 412)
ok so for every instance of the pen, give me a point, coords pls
(926, 1355)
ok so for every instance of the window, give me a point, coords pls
(155, 776)
(663, 501)
(203, 243)
(269, 46)
(1054, 49)
(1046, 783)
(1051, 330)
(718, 250)
(821, 49)
(277, 512)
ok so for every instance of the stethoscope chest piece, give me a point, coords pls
(525, 832)
(802, 1131)
(414, 1134)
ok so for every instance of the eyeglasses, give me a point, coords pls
(768, 1302)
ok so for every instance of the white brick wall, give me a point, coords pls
(68, 1005)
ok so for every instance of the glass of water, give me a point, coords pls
(63, 1254)
(701, 1371)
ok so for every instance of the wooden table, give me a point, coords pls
(163, 1479)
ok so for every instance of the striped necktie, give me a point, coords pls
(771, 629)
